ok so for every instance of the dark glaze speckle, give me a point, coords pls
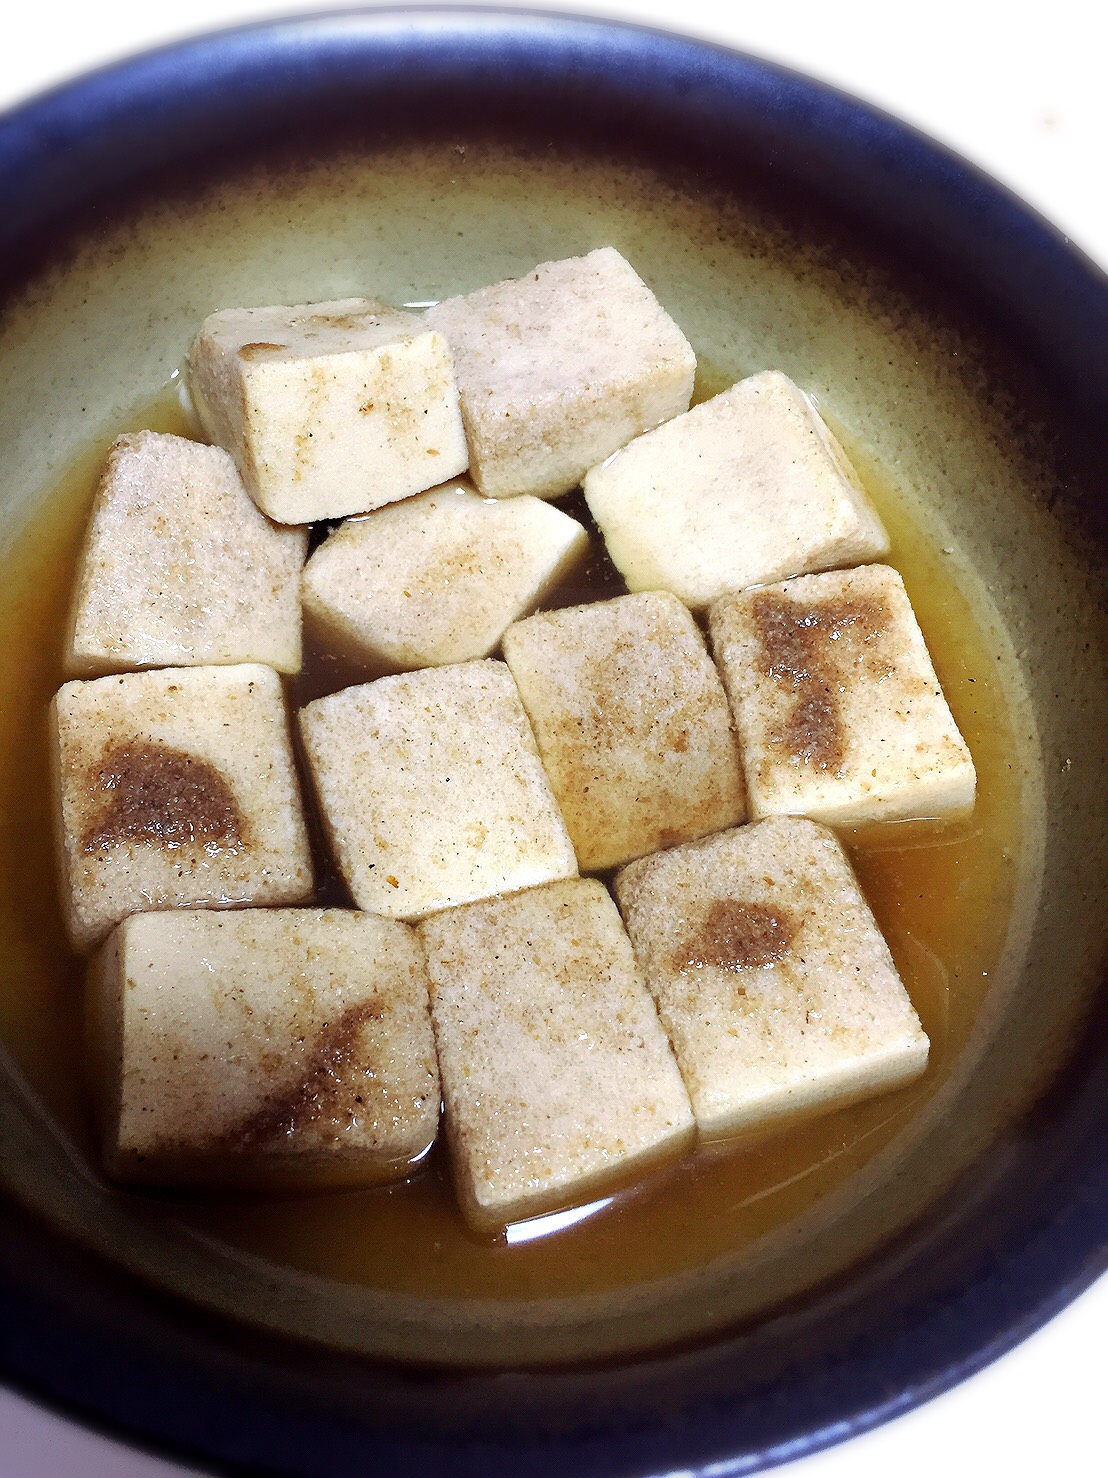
(801, 651)
(155, 793)
(738, 936)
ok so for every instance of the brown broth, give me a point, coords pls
(942, 893)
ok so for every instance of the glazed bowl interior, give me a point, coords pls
(950, 339)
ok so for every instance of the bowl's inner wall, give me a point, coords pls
(983, 427)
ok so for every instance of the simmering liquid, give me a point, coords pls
(942, 894)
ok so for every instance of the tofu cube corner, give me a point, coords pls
(558, 1081)
(330, 408)
(771, 976)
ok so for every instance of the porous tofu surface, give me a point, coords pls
(557, 1077)
(432, 791)
(744, 489)
(773, 980)
(559, 368)
(328, 408)
(180, 568)
(437, 578)
(632, 724)
(839, 712)
(175, 788)
(291, 1040)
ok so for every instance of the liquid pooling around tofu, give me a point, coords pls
(942, 893)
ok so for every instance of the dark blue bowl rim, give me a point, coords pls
(54, 145)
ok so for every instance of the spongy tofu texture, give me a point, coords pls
(632, 724)
(559, 368)
(772, 978)
(557, 1076)
(180, 568)
(175, 788)
(296, 1041)
(437, 578)
(328, 408)
(746, 488)
(432, 791)
(839, 712)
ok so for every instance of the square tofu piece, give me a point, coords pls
(839, 712)
(175, 789)
(432, 791)
(559, 368)
(558, 1080)
(744, 489)
(632, 724)
(265, 1046)
(770, 973)
(329, 408)
(180, 569)
(436, 579)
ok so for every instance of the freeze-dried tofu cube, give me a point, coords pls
(432, 791)
(771, 976)
(180, 569)
(557, 1078)
(436, 579)
(839, 712)
(559, 368)
(328, 408)
(173, 789)
(632, 724)
(744, 489)
(264, 1046)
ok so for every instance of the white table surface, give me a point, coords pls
(1022, 93)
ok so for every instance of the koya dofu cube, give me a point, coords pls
(175, 789)
(772, 978)
(839, 712)
(328, 408)
(264, 1046)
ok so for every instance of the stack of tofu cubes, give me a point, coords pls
(716, 978)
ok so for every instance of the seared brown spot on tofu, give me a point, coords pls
(156, 793)
(738, 936)
(254, 351)
(805, 647)
(320, 1091)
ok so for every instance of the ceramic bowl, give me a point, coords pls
(950, 334)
